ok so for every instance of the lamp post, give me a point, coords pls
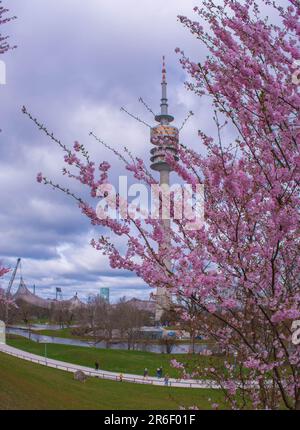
(45, 352)
(44, 340)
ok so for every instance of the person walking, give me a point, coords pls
(121, 377)
(146, 373)
(96, 365)
(158, 372)
(166, 380)
(161, 372)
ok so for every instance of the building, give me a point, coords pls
(143, 305)
(104, 294)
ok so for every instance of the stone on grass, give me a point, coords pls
(79, 375)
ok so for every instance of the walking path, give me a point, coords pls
(184, 383)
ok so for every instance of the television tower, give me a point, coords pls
(165, 138)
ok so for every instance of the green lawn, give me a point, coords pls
(67, 332)
(63, 332)
(113, 360)
(24, 385)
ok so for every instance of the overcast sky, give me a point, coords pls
(75, 65)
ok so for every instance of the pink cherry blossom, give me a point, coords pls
(240, 271)
(39, 177)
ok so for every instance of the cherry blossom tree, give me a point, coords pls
(241, 268)
(4, 45)
(4, 300)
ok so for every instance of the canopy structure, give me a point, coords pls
(23, 294)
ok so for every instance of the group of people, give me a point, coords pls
(159, 373)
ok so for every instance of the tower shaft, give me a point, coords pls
(163, 297)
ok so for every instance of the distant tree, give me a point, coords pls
(103, 318)
(61, 314)
(96, 318)
(25, 313)
(128, 319)
(191, 319)
(167, 343)
(5, 300)
(171, 316)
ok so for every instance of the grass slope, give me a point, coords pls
(24, 385)
(65, 333)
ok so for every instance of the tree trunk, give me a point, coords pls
(297, 404)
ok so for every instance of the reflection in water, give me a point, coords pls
(180, 348)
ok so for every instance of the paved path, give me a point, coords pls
(186, 383)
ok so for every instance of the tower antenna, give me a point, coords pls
(164, 98)
(164, 118)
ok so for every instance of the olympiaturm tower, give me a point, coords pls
(165, 138)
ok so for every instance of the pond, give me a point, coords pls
(178, 348)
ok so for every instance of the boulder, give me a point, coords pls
(80, 376)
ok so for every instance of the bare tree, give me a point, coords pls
(62, 314)
(96, 318)
(128, 320)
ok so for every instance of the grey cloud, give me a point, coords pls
(75, 65)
